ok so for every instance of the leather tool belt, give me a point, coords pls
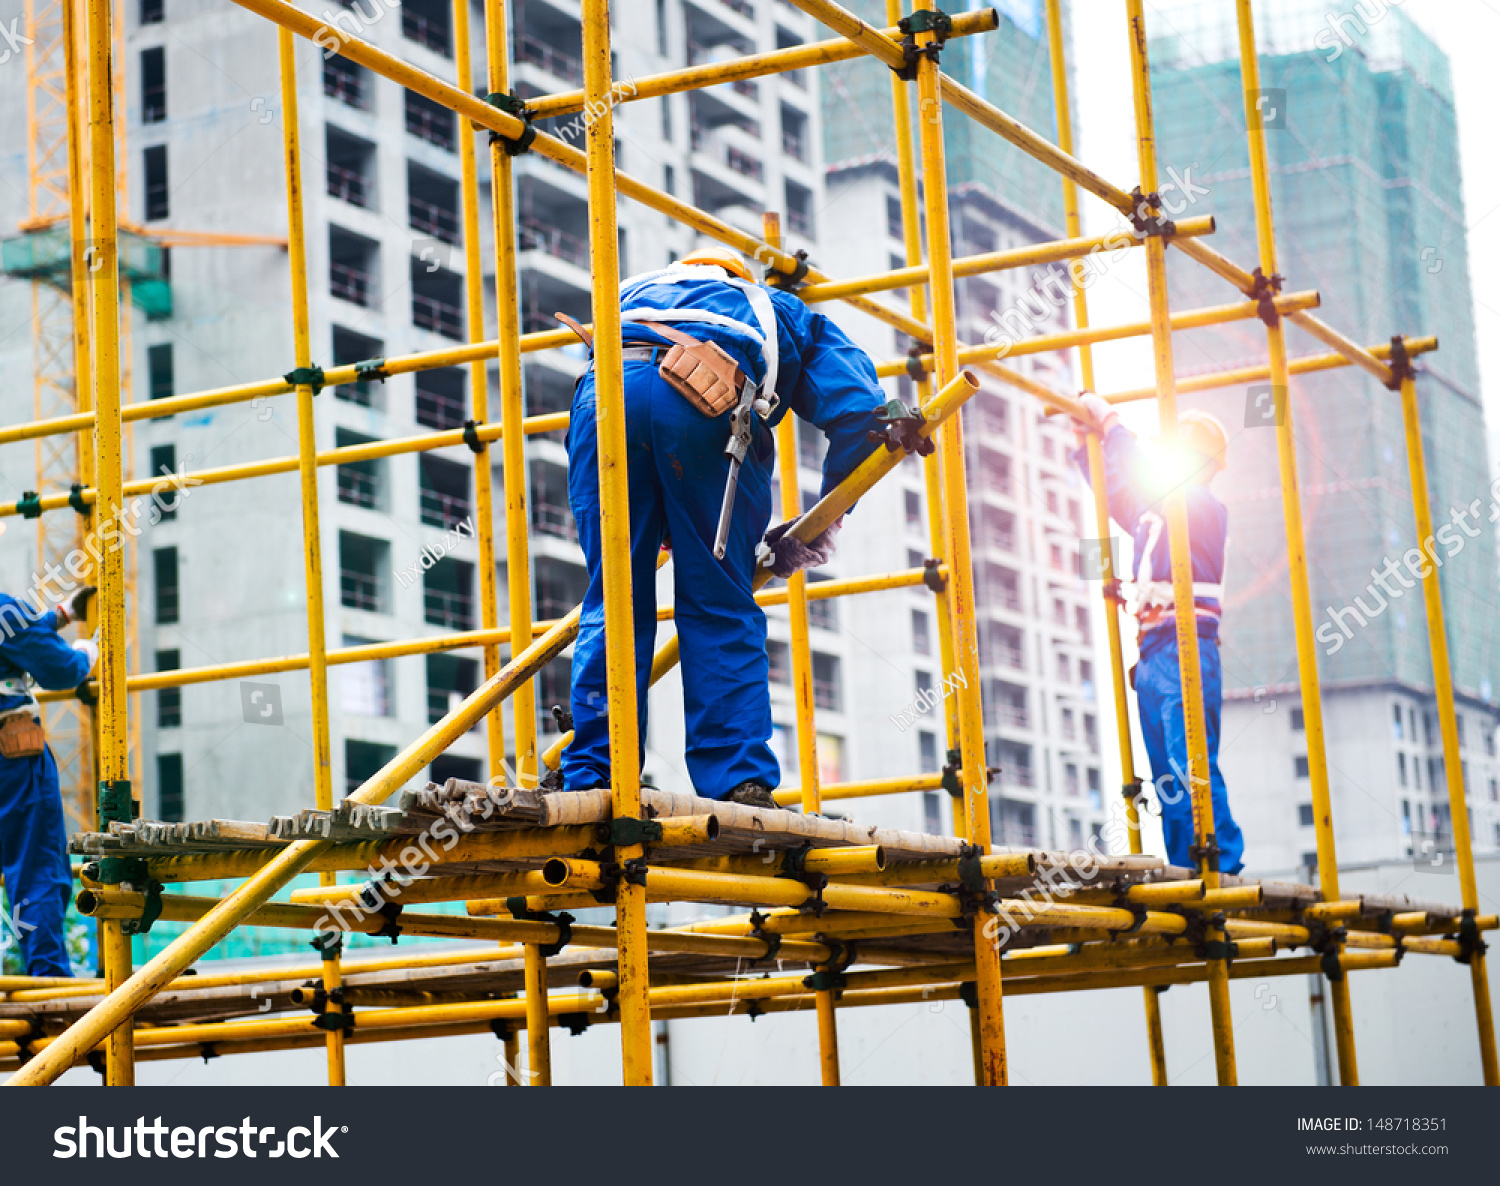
(705, 374)
(21, 736)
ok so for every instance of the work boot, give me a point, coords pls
(752, 794)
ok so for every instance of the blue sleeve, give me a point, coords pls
(1126, 476)
(29, 640)
(830, 382)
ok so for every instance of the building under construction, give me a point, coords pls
(851, 914)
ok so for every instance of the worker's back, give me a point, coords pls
(813, 367)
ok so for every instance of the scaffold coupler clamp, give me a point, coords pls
(1263, 293)
(512, 104)
(794, 867)
(562, 920)
(932, 575)
(340, 1022)
(371, 369)
(901, 428)
(328, 944)
(830, 976)
(953, 782)
(1208, 853)
(308, 376)
(1137, 913)
(471, 437)
(150, 912)
(916, 371)
(1401, 365)
(1326, 942)
(75, 499)
(771, 940)
(1146, 223)
(790, 281)
(973, 894)
(1132, 791)
(923, 20)
(1469, 939)
(372, 901)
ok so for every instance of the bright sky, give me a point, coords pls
(1467, 30)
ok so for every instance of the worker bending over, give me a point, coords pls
(33, 837)
(1137, 502)
(695, 334)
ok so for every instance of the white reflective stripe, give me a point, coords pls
(1160, 592)
(765, 313)
(760, 304)
(699, 315)
(1150, 594)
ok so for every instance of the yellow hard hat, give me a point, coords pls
(721, 257)
(1204, 433)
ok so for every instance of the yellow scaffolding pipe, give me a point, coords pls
(307, 451)
(974, 772)
(1442, 682)
(1296, 548)
(479, 384)
(104, 294)
(1186, 623)
(614, 533)
(932, 471)
(1109, 581)
(1307, 365)
(810, 797)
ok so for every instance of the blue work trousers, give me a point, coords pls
(1158, 688)
(34, 857)
(677, 469)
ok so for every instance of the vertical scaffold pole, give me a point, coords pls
(104, 288)
(1442, 683)
(1291, 507)
(307, 467)
(513, 473)
(1108, 580)
(614, 530)
(974, 774)
(802, 689)
(1182, 565)
(791, 507)
(932, 464)
(479, 391)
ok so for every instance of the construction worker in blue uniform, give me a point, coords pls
(1137, 490)
(33, 836)
(799, 361)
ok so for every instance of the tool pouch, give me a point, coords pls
(707, 377)
(21, 736)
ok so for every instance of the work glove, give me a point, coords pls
(784, 554)
(89, 647)
(1102, 415)
(76, 607)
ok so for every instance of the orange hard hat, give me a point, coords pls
(1204, 433)
(721, 257)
